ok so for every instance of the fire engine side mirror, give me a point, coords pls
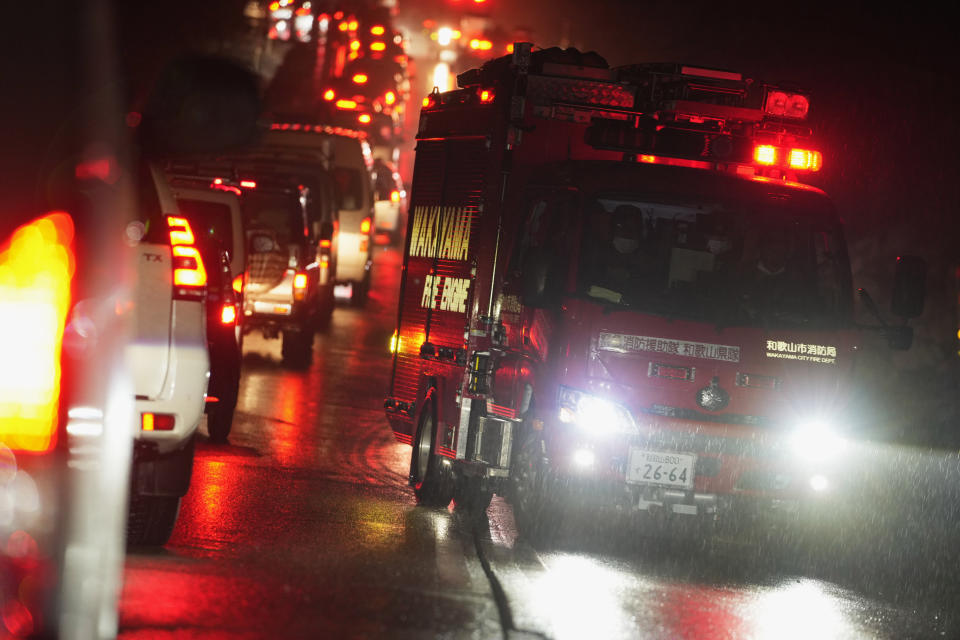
(538, 289)
(909, 287)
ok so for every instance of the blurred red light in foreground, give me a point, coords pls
(36, 268)
(17, 619)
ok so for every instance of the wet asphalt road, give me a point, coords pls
(304, 527)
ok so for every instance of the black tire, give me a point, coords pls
(151, 520)
(361, 291)
(297, 348)
(535, 512)
(220, 419)
(470, 496)
(325, 315)
(432, 480)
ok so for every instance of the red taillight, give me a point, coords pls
(389, 97)
(248, 184)
(238, 283)
(378, 46)
(365, 225)
(299, 286)
(329, 95)
(395, 196)
(377, 30)
(36, 268)
(189, 274)
(346, 104)
(228, 314)
(157, 421)
(765, 154)
(364, 118)
(486, 96)
(180, 231)
(325, 244)
(360, 78)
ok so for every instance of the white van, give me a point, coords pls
(348, 157)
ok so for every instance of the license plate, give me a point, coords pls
(661, 468)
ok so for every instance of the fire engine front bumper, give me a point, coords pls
(717, 483)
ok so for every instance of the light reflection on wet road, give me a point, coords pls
(304, 527)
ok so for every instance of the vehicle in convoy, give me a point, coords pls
(390, 199)
(616, 292)
(168, 359)
(216, 220)
(347, 156)
(285, 268)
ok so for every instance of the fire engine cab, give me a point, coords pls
(617, 289)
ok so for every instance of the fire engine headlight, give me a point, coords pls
(592, 414)
(816, 442)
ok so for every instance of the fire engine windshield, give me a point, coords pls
(751, 264)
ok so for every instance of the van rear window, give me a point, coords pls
(349, 187)
(211, 221)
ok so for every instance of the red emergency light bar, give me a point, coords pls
(769, 155)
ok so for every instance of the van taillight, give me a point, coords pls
(228, 314)
(157, 421)
(36, 268)
(180, 231)
(365, 225)
(189, 274)
(299, 286)
(395, 196)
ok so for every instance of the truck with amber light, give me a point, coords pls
(618, 290)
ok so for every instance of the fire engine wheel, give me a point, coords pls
(297, 348)
(536, 516)
(431, 478)
(151, 519)
(470, 496)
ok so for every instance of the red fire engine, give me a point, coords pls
(616, 288)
